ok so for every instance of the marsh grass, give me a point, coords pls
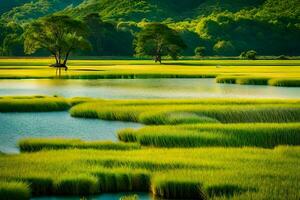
(14, 191)
(222, 172)
(205, 135)
(33, 104)
(38, 144)
(77, 185)
(197, 111)
(178, 189)
(285, 82)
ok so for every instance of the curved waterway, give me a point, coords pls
(15, 126)
(143, 89)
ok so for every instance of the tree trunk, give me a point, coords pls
(158, 58)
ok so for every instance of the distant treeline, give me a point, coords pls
(211, 27)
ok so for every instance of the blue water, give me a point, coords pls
(14, 126)
(142, 196)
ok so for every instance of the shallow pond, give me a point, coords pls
(143, 88)
(54, 124)
(142, 196)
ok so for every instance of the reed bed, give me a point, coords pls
(38, 144)
(209, 111)
(33, 104)
(206, 135)
(285, 82)
(139, 69)
(14, 191)
(252, 80)
(218, 173)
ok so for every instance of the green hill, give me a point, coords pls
(223, 27)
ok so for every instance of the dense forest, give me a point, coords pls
(218, 27)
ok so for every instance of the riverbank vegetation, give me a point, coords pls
(257, 72)
(221, 172)
(191, 148)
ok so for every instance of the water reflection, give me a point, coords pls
(143, 88)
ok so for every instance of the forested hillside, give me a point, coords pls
(220, 27)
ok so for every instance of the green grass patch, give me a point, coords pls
(219, 173)
(14, 191)
(285, 82)
(33, 104)
(191, 111)
(38, 144)
(205, 135)
(77, 185)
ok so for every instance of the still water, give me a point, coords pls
(142, 196)
(14, 126)
(143, 88)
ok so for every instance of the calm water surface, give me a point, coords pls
(142, 196)
(143, 88)
(14, 126)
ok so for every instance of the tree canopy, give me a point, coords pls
(158, 40)
(58, 34)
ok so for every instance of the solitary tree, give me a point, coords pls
(200, 51)
(158, 40)
(59, 34)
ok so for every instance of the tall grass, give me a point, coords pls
(233, 135)
(77, 185)
(285, 82)
(14, 191)
(178, 189)
(33, 104)
(220, 173)
(38, 144)
(160, 112)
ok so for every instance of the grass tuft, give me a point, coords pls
(38, 144)
(14, 191)
(285, 82)
(77, 185)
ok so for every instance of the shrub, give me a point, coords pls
(14, 191)
(250, 55)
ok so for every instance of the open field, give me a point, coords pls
(272, 72)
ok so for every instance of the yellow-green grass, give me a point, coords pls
(101, 69)
(252, 80)
(191, 111)
(206, 135)
(38, 144)
(285, 82)
(39, 103)
(235, 173)
(33, 104)
(14, 190)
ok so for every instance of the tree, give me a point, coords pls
(251, 55)
(224, 48)
(200, 51)
(158, 40)
(59, 34)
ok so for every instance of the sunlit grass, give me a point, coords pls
(249, 72)
(191, 111)
(38, 144)
(206, 135)
(221, 172)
